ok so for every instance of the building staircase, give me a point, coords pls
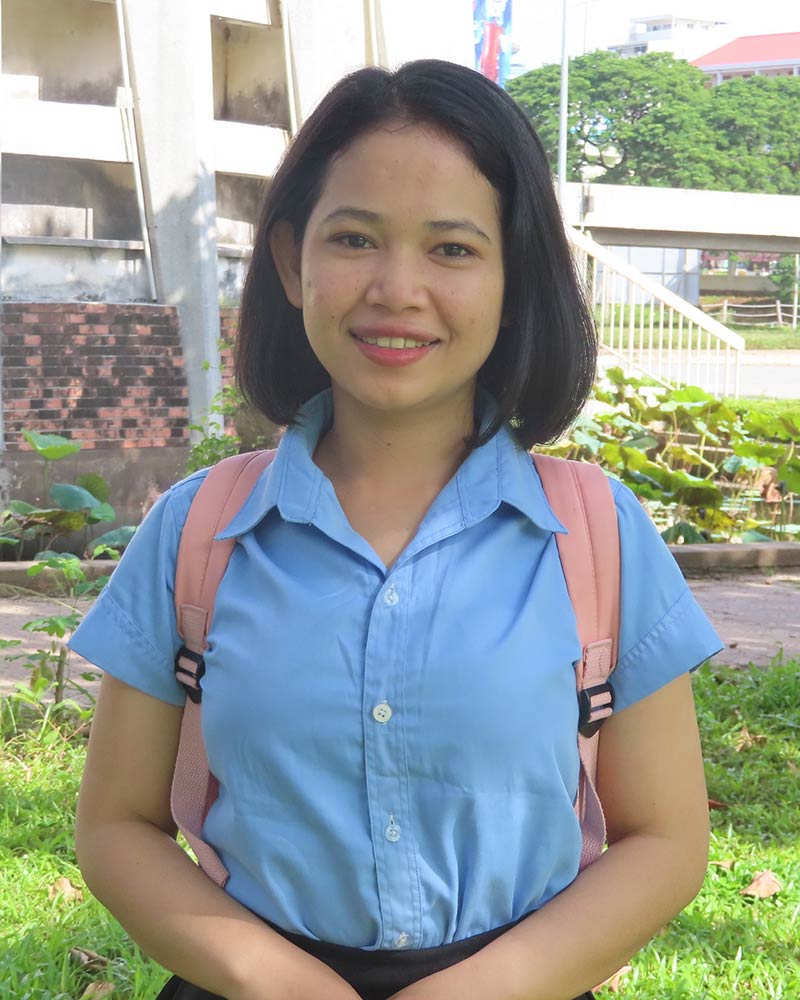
(648, 330)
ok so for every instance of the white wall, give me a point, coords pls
(69, 46)
(66, 273)
(249, 73)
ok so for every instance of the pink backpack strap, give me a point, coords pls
(201, 564)
(580, 496)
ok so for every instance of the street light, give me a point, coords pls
(562, 109)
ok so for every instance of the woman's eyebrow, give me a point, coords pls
(465, 225)
(351, 212)
(434, 225)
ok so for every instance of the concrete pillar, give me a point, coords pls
(169, 48)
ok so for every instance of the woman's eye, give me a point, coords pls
(353, 241)
(455, 250)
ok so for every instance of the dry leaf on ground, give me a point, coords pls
(613, 982)
(715, 804)
(764, 884)
(747, 740)
(90, 960)
(95, 990)
(728, 864)
(793, 767)
(64, 888)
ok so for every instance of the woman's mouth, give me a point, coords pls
(393, 351)
(395, 343)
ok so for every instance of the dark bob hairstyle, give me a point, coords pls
(543, 364)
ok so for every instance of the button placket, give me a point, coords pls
(386, 777)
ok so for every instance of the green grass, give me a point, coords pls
(767, 406)
(724, 946)
(765, 338)
(756, 338)
(39, 781)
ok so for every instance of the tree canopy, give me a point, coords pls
(654, 120)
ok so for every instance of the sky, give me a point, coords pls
(537, 23)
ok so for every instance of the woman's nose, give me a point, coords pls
(397, 281)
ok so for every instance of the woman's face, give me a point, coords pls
(400, 274)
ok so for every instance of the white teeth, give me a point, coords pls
(397, 343)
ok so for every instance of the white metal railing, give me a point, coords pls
(647, 328)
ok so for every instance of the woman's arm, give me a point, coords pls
(651, 784)
(129, 858)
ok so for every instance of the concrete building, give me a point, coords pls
(684, 36)
(753, 55)
(135, 138)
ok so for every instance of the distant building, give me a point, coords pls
(753, 55)
(683, 37)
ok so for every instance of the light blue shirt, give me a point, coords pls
(396, 750)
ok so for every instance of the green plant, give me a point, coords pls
(700, 465)
(76, 507)
(784, 278)
(43, 699)
(219, 436)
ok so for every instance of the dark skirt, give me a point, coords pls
(374, 975)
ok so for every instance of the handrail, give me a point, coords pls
(659, 292)
(650, 329)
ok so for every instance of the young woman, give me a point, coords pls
(389, 703)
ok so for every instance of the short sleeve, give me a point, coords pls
(663, 630)
(130, 631)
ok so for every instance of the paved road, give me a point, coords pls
(756, 615)
(770, 373)
(762, 373)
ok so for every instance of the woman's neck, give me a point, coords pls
(395, 453)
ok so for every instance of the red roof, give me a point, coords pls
(754, 49)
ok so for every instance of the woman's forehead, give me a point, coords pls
(408, 164)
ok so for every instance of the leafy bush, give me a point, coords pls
(76, 507)
(43, 700)
(231, 427)
(705, 471)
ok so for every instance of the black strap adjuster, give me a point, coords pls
(190, 679)
(592, 700)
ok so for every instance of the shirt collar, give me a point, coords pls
(499, 471)
(502, 471)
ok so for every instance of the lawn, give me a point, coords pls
(725, 946)
(766, 338)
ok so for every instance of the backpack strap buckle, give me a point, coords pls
(595, 705)
(190, 668)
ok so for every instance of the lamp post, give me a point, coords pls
(562, 109)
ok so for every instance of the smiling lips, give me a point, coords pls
(393, 351)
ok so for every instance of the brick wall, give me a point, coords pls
(110, 376)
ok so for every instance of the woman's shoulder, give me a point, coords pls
(175, 501)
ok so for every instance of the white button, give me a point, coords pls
(382, 712)
(391, 597)
(392, 831)
(401, 941)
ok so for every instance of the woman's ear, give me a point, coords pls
(286, 254)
